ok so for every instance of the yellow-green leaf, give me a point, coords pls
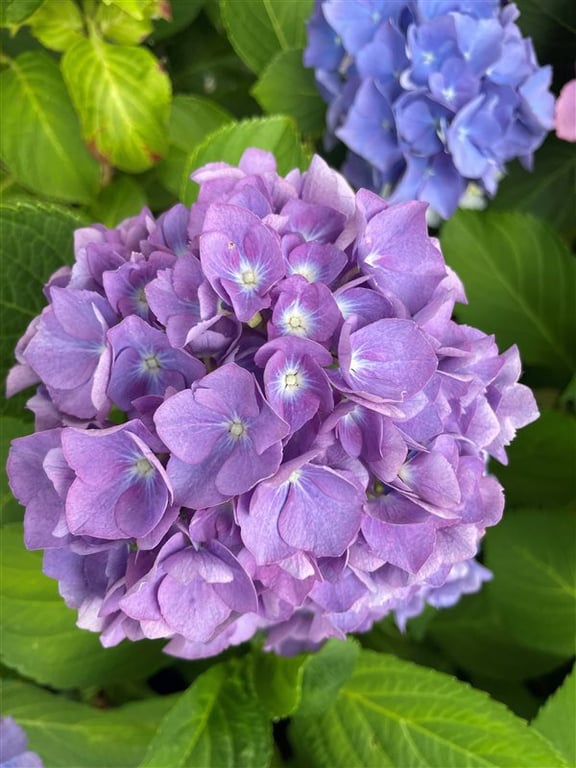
(123, 98)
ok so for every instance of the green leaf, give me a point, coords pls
(49, 156)
(540, 471)
(10, 510)
(265, 27)
(123, 99)
(14, 12)
(58, 24)
(278, 682)
(120, 27)
(473, 637)
(218, 721)
(325, 672)
(36, 241)
(520, 280)
(192, 119)
(394, 713)
(301, 100)
(547, 191)
(533, 557)
(39, 637)
(67, 734)
(275, 134)
(556, 719)
(122, 198)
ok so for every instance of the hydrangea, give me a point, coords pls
(432, 99)
(14, 747)
(565, 113)
(258, 415)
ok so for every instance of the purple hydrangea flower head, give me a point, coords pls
(428, 97)
(258, 414)
(14, 751)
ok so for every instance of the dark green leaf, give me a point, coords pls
(123, 99)
(301, 100)
(192, 119)
(264, 27)
(66, 734)
(520, 280)
(17, 11)
(551, 25)
(533, 557)
(217, 722)
(202, 61)
(36, 241)
(122, 198)
(275, 134)
(393, 713)
(39, 637)
(49, 157)
(557, 717)
(547, 191)
(474, 639)
(540, 471)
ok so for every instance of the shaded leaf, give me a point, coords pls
(123, 99)
(17, 11)
(520, 280)
(547, 191)
(276, 134)
(67, 734)
(122, 198)
(265, 27)
(49, 157)
(192, 119)
(394, 713)
(301, 100)
(540, 471)
(203, 62)
(533, 557)
(551, 25)
(35, 617)
(471, 634)
(217, 721)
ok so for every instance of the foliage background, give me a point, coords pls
(106, 107)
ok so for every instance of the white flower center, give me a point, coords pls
(237, 428)
(143, 467)
(151, 364)
(291, 380)
(248, 278)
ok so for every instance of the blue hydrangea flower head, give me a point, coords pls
(429, 97)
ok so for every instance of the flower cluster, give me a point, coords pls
(258, 415)
(14, 747)
(431, 98)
